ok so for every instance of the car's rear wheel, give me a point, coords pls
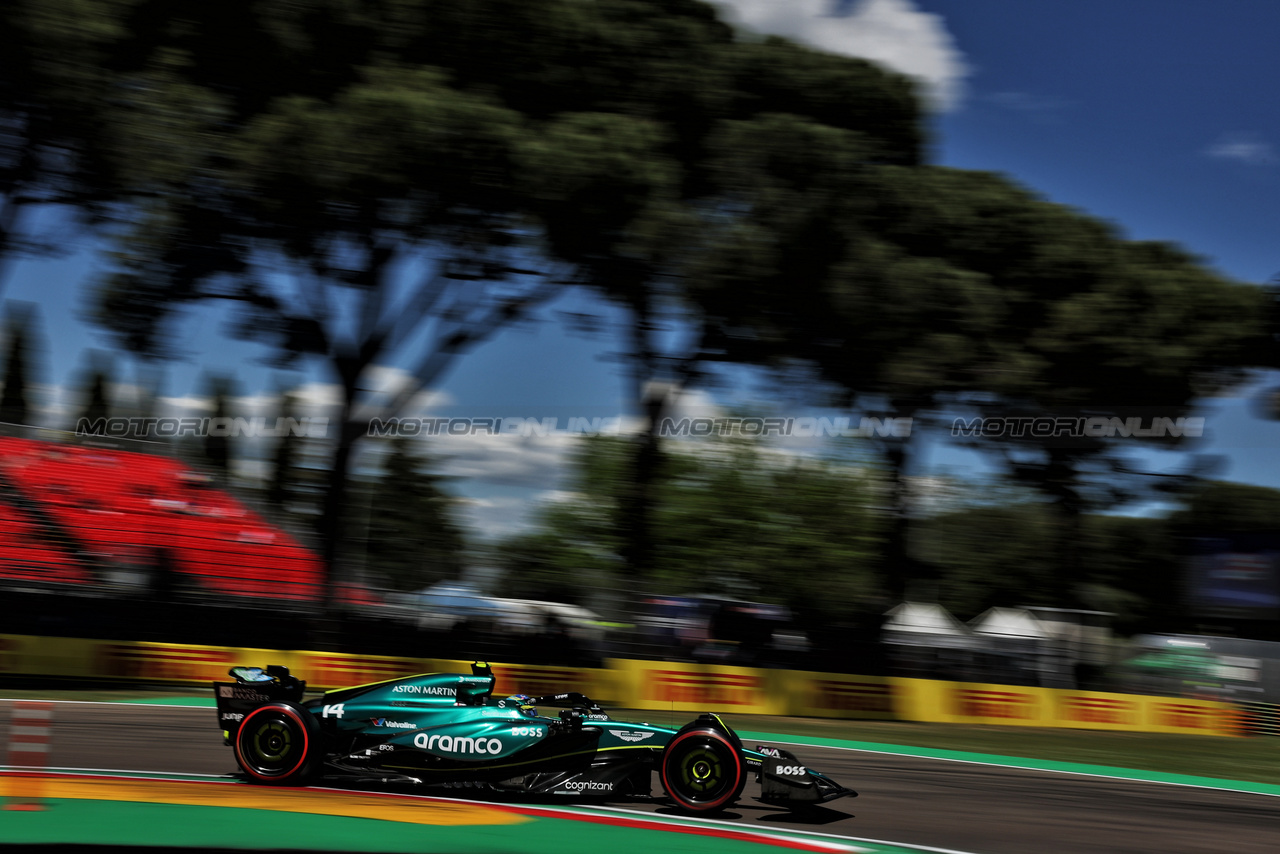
(279, 744)
(702, 770)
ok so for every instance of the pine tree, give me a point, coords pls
(217, 446)
(93, 394)
(98, 405)
(284, 459)
(414, 540)
(15, 407)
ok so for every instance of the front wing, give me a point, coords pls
(785, 780)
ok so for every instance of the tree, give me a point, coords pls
(413, 539)
(15, 404)
(994, 554)
(1218, 508)
(645, 208)
(327, 178)
(98, 404)
(95, 391)
(487, 144)
(1135, 569)
(309, 160)
(285, 457)
(1004, 553)
(1152, 333)
(56, 130)
(1002, 550)
(730, 518)
(928, 290)
(217, 442)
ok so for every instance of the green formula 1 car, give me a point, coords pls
(447, 730)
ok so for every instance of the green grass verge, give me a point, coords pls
(1255, 760)
(134, 826)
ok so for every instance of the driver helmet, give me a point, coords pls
(524, 703)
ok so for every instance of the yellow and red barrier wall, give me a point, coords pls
(650, 685)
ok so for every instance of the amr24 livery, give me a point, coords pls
(447, 730)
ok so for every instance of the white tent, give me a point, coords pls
(923, 618)
(1024, 649)
(1008, 623)
(925, 624)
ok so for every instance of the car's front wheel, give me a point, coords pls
(702, 770)
(278, 743)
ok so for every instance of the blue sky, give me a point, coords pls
(1157, 116)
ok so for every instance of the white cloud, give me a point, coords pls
(386, 382)
(693, 403)
(317, 397)
(1242, 147)
(531, 462)
(558, 496)
(893, 33)
(497, 517)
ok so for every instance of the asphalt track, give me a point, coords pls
(946, 805)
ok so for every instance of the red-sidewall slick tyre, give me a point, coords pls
(278, 744)
(702, 770)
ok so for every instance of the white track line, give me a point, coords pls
(711, 822)
(1028, 768)
(141, 775)
(724, 823)
(803, 744)
(111, 703)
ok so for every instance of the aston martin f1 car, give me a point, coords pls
(447, 730)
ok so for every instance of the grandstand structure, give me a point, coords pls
(82, 515)
(101, 539)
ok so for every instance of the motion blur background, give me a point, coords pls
(554, 330)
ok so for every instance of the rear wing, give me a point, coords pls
(254, 687)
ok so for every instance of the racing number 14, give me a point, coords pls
(334, 710)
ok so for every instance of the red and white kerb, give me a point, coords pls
(30, 737)
(30, 733)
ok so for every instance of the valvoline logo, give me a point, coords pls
(390, 724)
